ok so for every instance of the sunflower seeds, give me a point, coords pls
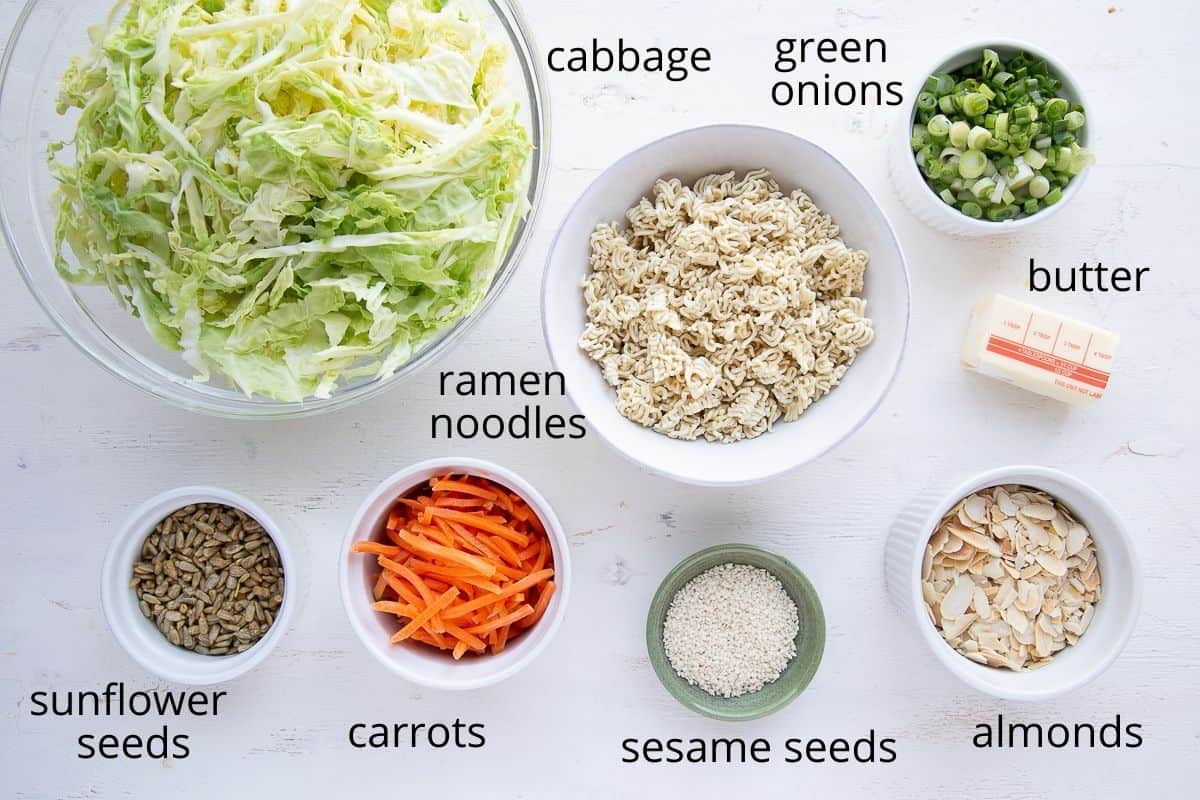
(210, 579)
(1010, 577)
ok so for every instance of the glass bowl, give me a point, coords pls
(47, 34)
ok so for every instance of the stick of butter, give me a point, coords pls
(1047, 353)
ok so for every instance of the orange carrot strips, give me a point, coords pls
(488, 524)
(428, 548)
(470, 640)
(401, 609)
(377, 548)
(543, 602)
(462, 609)
(408, 575)
(507, 619)
(428, 614)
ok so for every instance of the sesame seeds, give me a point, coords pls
(731, 630)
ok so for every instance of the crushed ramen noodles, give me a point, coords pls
(724, 307)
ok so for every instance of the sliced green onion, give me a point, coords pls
(1039, 187)
(1054, 196)
(926, 101)
(939, 83)
(972, 164)
(938, 127)
(1021, 174)
(971, 209)
(1075, 120)
(998, 191)
(978, 137)
(983, 188)
(1056, 108)
(959, 132)
(948, 196)
(974, 104)
(920, 136)
(1001, 131)
(1033, 158)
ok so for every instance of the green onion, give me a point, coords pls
(995, 138)
(959, 132)
(972, 164)
(974, 104)
(939, 84)
(920, 136)
(982, 188)
(938, 127)
(1055, 109)
(978, 138)
(1038, 187)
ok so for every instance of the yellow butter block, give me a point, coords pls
(1041, 351)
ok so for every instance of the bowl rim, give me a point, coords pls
(594, 185)
(671, 680)
(231, 404)
(114, 583)
(1023, 474)
(402, 481)
(984, 226)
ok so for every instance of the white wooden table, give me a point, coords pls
(78, 450)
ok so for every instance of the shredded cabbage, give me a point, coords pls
(292, 193)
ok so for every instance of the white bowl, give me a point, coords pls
(138, 635)
(1116, 611)
(416, 662)
(910, 183)
(691, 154)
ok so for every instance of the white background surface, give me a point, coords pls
(78, 450)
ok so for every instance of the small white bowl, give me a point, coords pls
(416, 662)
(689, 155)
(910, 183)
(138, 635)
(1120, 589)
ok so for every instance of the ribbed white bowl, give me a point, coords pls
(1116, 612)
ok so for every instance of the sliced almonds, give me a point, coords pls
(1010, 577)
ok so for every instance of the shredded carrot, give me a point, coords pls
(505, 550)
(507, 619)
(420, 619)
(540, 609)
(408, 575)
(485, 523)
(377, 548)
(465, 566)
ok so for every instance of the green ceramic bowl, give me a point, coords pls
(810, 641)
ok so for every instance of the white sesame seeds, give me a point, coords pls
(731, 630)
